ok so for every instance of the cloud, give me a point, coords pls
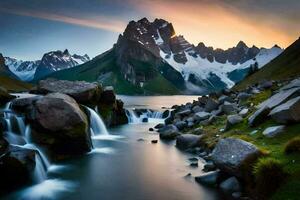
(102, 22)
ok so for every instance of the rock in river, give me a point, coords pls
(187, 141)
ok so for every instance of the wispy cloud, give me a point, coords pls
(102, 22)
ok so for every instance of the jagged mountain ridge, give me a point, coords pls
(147, 50)
(50, 62)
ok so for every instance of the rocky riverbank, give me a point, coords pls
(245, 137)
(59, 123)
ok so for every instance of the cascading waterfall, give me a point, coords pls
(23, 137)
(97, 125)
(146, 116)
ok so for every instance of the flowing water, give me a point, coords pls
(124, 164)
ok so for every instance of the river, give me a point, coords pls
(124, 164)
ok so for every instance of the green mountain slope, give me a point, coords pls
(105, 69)
(14, 85)
(286, 65)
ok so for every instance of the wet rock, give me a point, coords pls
(181, 125)
(194, 164)
(187, 141)
(83, 92)
(151, 129)
(209, 166)
(224, 98)
(154, 141)
(230, 154)
(168, 132)
(159, 126)
(288, 112)
(209, 178)
(273, 131)
(5, 97)
(185, 112)
(166, 114)
(230, 185)
(193, 159)
(16, 167)
(108, 95)
(60, 124)
(24, 104)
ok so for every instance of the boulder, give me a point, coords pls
(243, 96)
(266, 85)
(184, 112)
(201, 116)
(293, 84)
(224, 98)
(24, 104)
(168, 132)
(108, 95)
(211, 105)
(273, 131)
(181, 125)
(233, 120)
(83, 92)
(209, 166)
(187, 141)
(231, 185)
(16, 167)
(265, 107)
(210, 178)
(230, 155)
(197, 108)
(288, 112)
(60, 124)
(159, 126)
(244, 112)
(5, 97)
(229, 108)
(203, 100)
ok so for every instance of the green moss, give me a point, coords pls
(292, 146)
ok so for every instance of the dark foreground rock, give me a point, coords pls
(16, 167)
(230, 155)
(209, 178)
(187, 141)
(59, 123)
(168, 132)
(5, 97)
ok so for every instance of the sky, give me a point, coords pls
(30, 28)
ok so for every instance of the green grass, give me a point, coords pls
(13, 85)
(285, 66)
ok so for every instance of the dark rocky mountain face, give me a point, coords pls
(4, 69)
(239, 54)
(58, 60)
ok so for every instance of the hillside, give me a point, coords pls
(14, 85)
(285, 66)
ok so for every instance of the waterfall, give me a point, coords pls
(22, 139)
(145, 116)
(97, 125)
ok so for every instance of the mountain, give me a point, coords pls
(51, 62)
(150, 51)
(23, 69)
(8, 80)
(285, 66)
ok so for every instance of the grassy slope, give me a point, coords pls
(106, 63)
(274, 146)
(14, 85)
(286, 65)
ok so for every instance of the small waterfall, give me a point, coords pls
(7, 106)
(97, 125)
(145, 116)
(22, 139)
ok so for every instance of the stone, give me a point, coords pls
(243, 96)
(211, 105)
(159, 126)
(5, 97)
(233, 120)
(197, 108)
(201, 116)
(230, 154)
(244, 112)
(224, 98)
(209, 166)
(187, 141)
(203, 100)
(108, 96)
(288, 112)
(293, 84)
(209, 178)
(193, 159)
(17, 165)
(24, 104)
(181, 125)
(154, 141)
(83, 92)
(265, 107)
(266, 84)
(273, 131)
(194, 164)
(151, 129)
(168, 132)
(185, 112)
(229, 108)
(231, 185)
(60, 124)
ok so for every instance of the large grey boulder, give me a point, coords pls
(168, 132)
(181, 125)
(288, 112)
(59, 123)
(231, 185)
(209, 178)
(243, 96)
(201, 116)
(229, 108)
(187, 141)
(211, 105)
(24, 104)
(293, 84)
(224, 98)
(197, 108)
(83, 92)
(230, 155)
(273, 131)
(274, 101)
